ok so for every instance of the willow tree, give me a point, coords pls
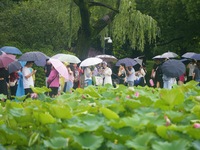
(116, 18)
(75, 23)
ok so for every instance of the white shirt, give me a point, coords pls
(27, 82)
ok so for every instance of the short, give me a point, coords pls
(54, 91)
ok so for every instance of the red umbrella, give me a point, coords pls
(6, 59)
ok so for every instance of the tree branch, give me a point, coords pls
(104, 21)
(168, 42)
(92, 3)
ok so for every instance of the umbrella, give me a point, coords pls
(196, 56)
(5, 59)
(67, 58)
(91, 61)
(158, 57)
(169, 55)
(139, 61)
(14, 66)
(60, 67)
(188, 55)
(39, 58)
(127, 62)
(173, 68)
(11, 50)
(107, 58)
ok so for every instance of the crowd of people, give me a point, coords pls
(20, 82)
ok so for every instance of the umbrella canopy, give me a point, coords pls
(127, 62)
(107, 58)
(14, 66)
(139, 61)
(5, 59)
(188, 55)
(67, 58)
(90, 61)
(196, 56)
(158, 57)
(60, 67)
(173, 68)
(39, 58)
(11, 50)
(169, 55)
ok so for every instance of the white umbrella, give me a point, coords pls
(60, 67)
(107, 58)
(90, 61)
(157, 57)
(67, 58)
(169, 55)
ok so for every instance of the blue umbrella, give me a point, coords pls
(11, 50)
(196, 56)
(173, 68)
(39, 58)
(188, 55)
(127, 62)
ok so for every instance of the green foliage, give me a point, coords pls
(103, 117)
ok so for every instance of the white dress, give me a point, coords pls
(107, 76)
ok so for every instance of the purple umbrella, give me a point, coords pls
(196, 56)
(39, 58)
(188, 55)
(127, 62)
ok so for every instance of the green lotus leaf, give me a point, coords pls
(56, 143)
(109, 113)
(60, 111)
(177, 144)
(196, 145)
(46, 118)
(141, 142)
(88, 141)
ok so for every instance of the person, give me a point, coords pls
(47, 70)
(196, 72)
(13, 83)
(158, 79)
(53, 82)
(191, 67)
(28, 81)
(181, 79)
(122, 74)
(69, 82)
(107, 72)
(130, 71)
(140, 76)
(77, 73)
(168, 82)
(4, 77)
(20, 87)
(87, 76)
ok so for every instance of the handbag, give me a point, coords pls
(12, 83)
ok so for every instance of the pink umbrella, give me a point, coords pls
(6, 59)
(60, 67)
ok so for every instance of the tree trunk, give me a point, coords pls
(87, 32)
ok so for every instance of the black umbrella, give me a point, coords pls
(14, 66)
(173, 68)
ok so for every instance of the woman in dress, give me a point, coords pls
(107, 72)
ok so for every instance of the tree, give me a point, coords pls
(178, 21)
(65, 24)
